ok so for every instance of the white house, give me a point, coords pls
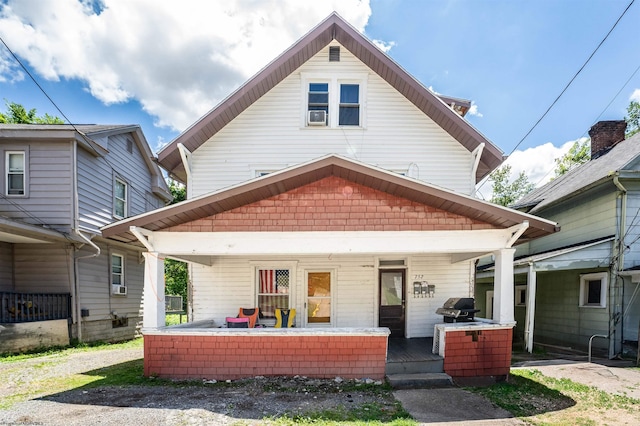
(335, 184)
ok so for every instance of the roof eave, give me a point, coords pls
(331, 28)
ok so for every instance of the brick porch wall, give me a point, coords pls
(478, 353)
(227, 356)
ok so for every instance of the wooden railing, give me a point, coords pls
(27, 307)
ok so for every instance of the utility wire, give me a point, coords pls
(85, 137)
(567, 85)
(572, 79)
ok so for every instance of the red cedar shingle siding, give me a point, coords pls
(332, 204)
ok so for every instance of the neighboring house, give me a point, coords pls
(59, 279)
(335, 184)
(584, 280)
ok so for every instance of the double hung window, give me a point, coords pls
(349, 105)
(318, 99)
(120, 192)
(335, 100)
(273, 291)
(15, 173)
(117, 270)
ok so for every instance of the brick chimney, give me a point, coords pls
(605, 135)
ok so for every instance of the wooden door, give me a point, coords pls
(392, 300)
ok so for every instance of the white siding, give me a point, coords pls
(269, 135)
(49, 185)
(220, 290)
(450, 279)
(96, 178)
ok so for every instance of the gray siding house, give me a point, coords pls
(59, 279)
(584, 280)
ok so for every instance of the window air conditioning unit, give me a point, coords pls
(317, 118)
(119, 289)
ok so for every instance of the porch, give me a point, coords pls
(32, 320)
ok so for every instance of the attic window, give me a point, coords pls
(129, 146)
(334, 53)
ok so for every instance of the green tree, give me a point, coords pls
(176, 274)
(505, 192)
(17, 114)
(579, 153)
(633, 118)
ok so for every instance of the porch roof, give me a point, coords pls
(333, 28)
(333, 165)
(17, 232)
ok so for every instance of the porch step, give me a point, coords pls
(433, 365)
(419, 380)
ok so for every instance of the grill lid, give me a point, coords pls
(460, 303)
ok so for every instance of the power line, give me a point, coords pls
(572, 79)
(567, 86)
(85, 137)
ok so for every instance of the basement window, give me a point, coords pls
(593, 290)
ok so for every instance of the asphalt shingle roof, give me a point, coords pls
(619, 157)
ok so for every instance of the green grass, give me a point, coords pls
(529, 394)
(369, 414)
(66, 350)
(174, 319)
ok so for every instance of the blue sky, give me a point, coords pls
(162, 64)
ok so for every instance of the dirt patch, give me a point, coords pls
(236, 402)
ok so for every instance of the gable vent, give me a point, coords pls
(334, 53)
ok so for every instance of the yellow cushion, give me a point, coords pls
(285, 317)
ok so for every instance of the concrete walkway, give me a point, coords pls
(455, 406)
(609, 376)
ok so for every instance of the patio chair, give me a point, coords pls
(251, 313)
(233, 322)
(285, 317)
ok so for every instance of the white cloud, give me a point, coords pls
(384, 45)
(473, 110)
(537, 163)
(635, 96)
(178, 59)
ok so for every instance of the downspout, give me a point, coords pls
(76, 231)
(618, 295)
(477, 154)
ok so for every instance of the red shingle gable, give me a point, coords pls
(332, 204)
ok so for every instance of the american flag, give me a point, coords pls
(274, 281)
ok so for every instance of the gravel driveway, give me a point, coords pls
(242, 402)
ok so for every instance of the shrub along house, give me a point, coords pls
(59, 278)
(334, 184)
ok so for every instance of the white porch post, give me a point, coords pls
(531, 308)
(503, 296)
(153, 295)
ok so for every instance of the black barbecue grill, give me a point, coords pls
(458, 309)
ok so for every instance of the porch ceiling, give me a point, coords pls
(332, 165)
